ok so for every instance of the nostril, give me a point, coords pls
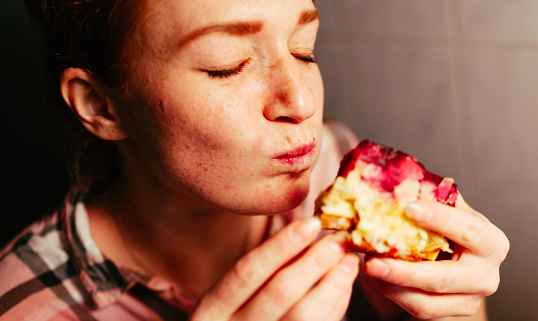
(289, 97)
(285, 119)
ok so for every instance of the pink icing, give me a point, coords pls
(396, 166)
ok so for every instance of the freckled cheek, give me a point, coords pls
(205, 150)
(316, 88)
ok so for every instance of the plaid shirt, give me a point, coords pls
(54, 271)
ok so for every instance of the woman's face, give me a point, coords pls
(227, 100)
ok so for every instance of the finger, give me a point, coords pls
(424, 305)
(290, 284)
(503, 244)
(462, 227)
(341, 307)
(255, 268)
(441, 277)
(461, 203)
(327, 297)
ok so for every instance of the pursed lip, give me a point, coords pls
(297, 155)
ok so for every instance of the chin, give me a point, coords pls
(281, 199)
(266, 196)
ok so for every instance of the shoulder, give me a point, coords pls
(37, 280)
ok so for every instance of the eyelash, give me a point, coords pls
(226, 73)
(305, 58)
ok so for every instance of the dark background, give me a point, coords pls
(33, 175)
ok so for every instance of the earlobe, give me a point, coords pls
(88, 100)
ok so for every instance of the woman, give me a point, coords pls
(211, 114)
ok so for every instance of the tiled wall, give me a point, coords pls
(454, 82)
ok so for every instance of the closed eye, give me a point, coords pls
(305, 58)
(225, 73)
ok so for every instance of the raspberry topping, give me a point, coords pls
(389, 167)
(369, 198)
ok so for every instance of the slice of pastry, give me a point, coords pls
(374, 185)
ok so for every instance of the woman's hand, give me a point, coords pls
(453, 287)
(285, 278)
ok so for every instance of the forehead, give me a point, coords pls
(183, 17)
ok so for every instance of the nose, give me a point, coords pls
(290, 97)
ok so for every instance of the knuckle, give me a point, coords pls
(471, 307)
(244, 272)
(500, 245)
(469, 234)
(442, 286)
(423, 311)
(504, 247)
(492, 285)
(279, 291)
(425, 314)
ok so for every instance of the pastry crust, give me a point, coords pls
(368, 199)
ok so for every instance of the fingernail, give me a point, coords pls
(350, 263)
(377, 268)
(419, 213)
(307, 229)
(337, 243)
(337, 247)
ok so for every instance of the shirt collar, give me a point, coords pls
(104, 280)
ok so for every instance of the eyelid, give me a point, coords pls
(305, 58)
(225, 73)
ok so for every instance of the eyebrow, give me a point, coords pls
(243, 28)
(234, 28)
(308, 16)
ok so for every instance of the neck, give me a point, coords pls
(165, 233)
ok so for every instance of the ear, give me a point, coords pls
(87, 98)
